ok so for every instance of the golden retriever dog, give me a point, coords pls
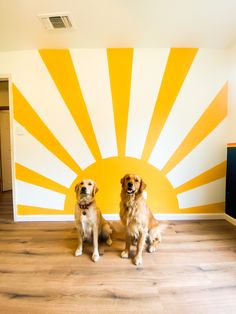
(141, 226)
(89, 221)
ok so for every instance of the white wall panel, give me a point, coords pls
(33, 195)
(31, 76)
(207, 75)
(210, 193)
(210, 152)
(147, 72)
(92, 71)
(29, 152)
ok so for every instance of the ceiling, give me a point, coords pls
(120, 23)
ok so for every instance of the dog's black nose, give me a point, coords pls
(83, 189)
(130, 184)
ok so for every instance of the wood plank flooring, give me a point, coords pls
(194, 271)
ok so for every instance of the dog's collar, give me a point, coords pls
(84, 206)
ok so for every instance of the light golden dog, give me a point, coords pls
(88, 218)
(140, 224)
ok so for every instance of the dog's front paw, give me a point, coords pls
(124, 254)
(78, 252)
(138, 260)
(151, 248)
(95, 257)
(109, 241)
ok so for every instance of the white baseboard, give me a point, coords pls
(230, 219)
(189, 216)
(117, 217)
(111, 216)
(44, 218)
(175, 216)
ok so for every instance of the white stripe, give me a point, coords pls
(147, 72)
(31, 76)
(52, 217)
(204, 80)
(116, 217)
(210, 152)
(210, 193)
(33, 195)
(189, 216)
(30, 153)
(92, 70)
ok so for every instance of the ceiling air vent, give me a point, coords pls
(56, 21)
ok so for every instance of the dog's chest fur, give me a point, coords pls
(87, 226)
(85, 220)
(133, 218)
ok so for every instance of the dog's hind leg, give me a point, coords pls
(106, 233)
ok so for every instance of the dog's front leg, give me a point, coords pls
(95, 256)
(79, 249)
(141, 242)
(125, 253)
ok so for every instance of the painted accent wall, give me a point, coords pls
(102, 113)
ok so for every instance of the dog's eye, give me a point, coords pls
(136, 180)
(128, 178)
(81, 183)
(89, 183)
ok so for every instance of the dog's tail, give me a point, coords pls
(110, 223)
(159, 231)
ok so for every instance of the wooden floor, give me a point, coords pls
(194, 271)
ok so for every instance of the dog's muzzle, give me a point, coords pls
(83, 190)
(130, 191)
(130, 188)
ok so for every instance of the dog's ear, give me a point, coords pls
(143, 186)
(95, 189)
(122, 180)
(77, 187)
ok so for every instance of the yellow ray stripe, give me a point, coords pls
(30, 176)
(205, 209)
(61, 69)
(213, 115)
(210, 175)
(26, 116)
(179, 62)
(33, 210)
(120, 69)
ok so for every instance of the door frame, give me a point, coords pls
(7, 77)
(5, 149)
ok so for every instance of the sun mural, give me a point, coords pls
(102, 113)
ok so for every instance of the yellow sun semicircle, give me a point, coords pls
(107, 174)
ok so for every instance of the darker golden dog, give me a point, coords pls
(140, 224)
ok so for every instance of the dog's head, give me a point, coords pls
(86, 189)
(132, 184)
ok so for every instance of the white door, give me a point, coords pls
(5, 150)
